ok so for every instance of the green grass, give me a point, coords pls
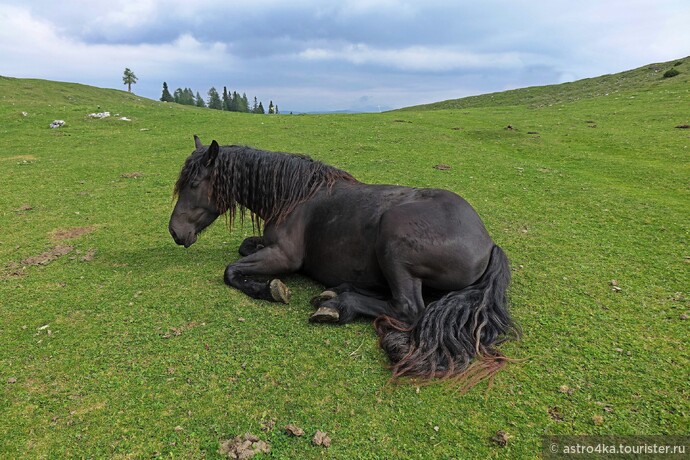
(649, 77)
(140, 350)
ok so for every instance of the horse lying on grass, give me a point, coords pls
(420, 261)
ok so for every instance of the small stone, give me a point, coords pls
(614, 286)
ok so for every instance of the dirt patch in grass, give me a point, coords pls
(132, 175)
(12, 270)
(17, 270)
(178, 331)
(68, 233)
(555, 414)
(47, 257)
(245, 446)
(19, 157)
(89, 255)
(24, 208)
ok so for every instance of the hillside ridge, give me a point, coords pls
(639, 79)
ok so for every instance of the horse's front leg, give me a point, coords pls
(268, 261)
(251, 245)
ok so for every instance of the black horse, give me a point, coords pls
(420, 261)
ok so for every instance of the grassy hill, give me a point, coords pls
(647, 78)
(116, 343)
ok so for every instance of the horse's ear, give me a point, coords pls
(212, 153)
(197, 143)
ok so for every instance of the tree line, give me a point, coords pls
(231, 102)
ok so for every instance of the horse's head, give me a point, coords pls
(196, 207)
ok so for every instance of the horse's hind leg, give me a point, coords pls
(346, 306)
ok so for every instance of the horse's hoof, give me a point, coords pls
(279, 291)
(316, 301)
(325, 315)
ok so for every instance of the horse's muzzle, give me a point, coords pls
(185, 240)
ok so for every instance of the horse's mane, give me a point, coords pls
(268, 184)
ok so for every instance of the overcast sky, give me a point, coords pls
(321, 55)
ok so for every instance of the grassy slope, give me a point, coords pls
(641, 79)
(149, 353)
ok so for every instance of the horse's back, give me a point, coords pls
(358, 232)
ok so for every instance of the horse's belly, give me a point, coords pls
(333, 268)
(338, 253)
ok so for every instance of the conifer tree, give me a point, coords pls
(177, 95)
(129, 79)
(244, 103)
(166, 96)
(184, 96)
(200, 100)
(271, 109)
(260, 109)
(226, 99)
(236, 102)
(214, 101)
(255, 106)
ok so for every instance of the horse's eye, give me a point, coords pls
(194, 184)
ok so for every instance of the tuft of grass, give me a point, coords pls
(126, 345)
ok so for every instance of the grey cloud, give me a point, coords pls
(310, 54)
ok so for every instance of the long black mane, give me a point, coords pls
(268, 184)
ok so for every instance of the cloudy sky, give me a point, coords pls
(322, 55)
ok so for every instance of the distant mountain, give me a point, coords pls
(368, 109)
(642, 78)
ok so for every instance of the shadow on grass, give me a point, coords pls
(205, 262)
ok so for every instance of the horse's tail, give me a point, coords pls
(455, 329)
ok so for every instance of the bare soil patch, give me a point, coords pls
(24, 208)
(47, 257)
(242, 447)
(20, 157)
(68, 233)
(178, 331)
(132, 175)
